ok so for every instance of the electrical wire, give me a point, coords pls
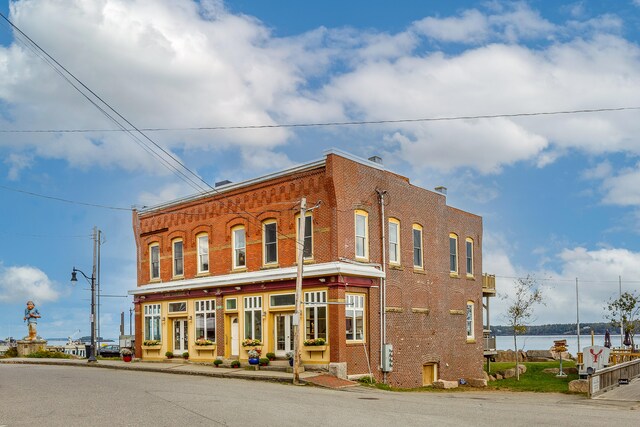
(324, 124)
(60, 199)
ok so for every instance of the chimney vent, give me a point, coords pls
(376, 159)
(441, 190)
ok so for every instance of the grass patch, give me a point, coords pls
(534, 379)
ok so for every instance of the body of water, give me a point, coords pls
(545, 342)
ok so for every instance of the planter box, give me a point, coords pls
(315, 347)
(151, 350)
(205, 349)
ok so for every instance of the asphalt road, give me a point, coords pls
(79, 396)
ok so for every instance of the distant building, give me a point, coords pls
(383, 258)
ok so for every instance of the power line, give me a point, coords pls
(325, 124)
(60, 199)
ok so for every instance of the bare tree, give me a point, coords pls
(520, 311)
(625, 308)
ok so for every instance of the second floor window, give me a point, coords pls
(394, 241)
(453, 253)
(203, 253)
(270, 238)
(469, 246)
(239, 248)
(154, 259)
(178, 259)
(308, 236)
(417, 246)
(362, 245)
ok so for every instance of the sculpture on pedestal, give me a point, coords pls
(31, 316)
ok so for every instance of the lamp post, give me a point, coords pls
(92, 280)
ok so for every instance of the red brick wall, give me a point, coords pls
(343, 186)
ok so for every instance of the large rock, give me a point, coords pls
(477, 382)
(445, 384)
(499, 376)
(510, 356)
(539, 354)
(579, 386)
(492, 378)
(485, 375)
(510, 373)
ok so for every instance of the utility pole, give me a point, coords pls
(93, 291)
(298, 314)
(621, 322)
(97, 242)
(578, 316)
(130, 316)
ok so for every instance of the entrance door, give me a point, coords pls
(283, 334)
(180, 336)
(235, 338)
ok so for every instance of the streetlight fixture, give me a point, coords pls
(92, 280)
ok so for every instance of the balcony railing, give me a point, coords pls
(489, 283)
(489, 342)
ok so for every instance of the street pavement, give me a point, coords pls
(66, 394)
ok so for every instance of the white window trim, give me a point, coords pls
(151, 247)
(264, 242)
(365, 215)
(471, 337)
(352, 299)
(226, 301)
(173, 256)
(234, 230)
(308, 215)
(457, 260)
(201, 309)
(152, 311)
(319, 299)
(253, 304)
(200, 254)
(417, 227)
(397, 261)
(466, 260)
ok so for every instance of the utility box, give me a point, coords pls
(387, 358)
(127, 341)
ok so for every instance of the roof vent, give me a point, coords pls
(376, 159)
(221, 183)
(441, 190)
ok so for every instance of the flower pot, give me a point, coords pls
(254, 361)
(127, 358)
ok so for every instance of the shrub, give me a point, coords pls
(185, 355)
(217, 362)
(264, 361)
(169, 354)
(315, 341)
(271, 356)
(151, 342)
(235, 364)
(367, 380)
(46, 354)
(12, 352)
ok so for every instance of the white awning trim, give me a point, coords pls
(272, 275)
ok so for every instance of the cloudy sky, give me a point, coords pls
(559, 194)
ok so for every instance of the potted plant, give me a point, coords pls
(271, 356)
(151, 343)
(264, 361)
(235, 364)
(315, 342)
(289, 356)
(217, 363)
(169, 354)
(204, 342)
(126, 354)
(185, 355)
(254, 356)
(251, 343)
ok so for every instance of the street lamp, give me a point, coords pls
(92, 280)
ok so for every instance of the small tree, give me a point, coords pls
(520, 311)
(625, 307)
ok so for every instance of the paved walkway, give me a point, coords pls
(192, 369)
(626, 393)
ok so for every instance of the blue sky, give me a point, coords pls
(560, 195)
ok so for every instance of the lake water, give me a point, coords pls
(544, 342)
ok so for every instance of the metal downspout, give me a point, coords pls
(383, 282)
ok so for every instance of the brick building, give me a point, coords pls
(384, 262)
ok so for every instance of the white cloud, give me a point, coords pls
(624, 188)
(471, 26)
(24, 283)
(17, 162)
(600, 171)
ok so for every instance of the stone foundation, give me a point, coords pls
(26, 347)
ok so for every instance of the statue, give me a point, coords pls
(31, 316)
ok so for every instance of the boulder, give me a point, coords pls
(492, 378)
(477, 382)
(499, 377)
(509, 373)
(551, 370)
(579, 386)
(539, 354)
(444, 384)
(485, 375)
(522, 369)
(510, 356)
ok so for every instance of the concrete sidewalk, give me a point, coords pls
(188, 368)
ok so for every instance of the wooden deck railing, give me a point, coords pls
(489, 283)
(608, 378)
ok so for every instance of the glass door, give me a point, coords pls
(180, 337)
(283, 334)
